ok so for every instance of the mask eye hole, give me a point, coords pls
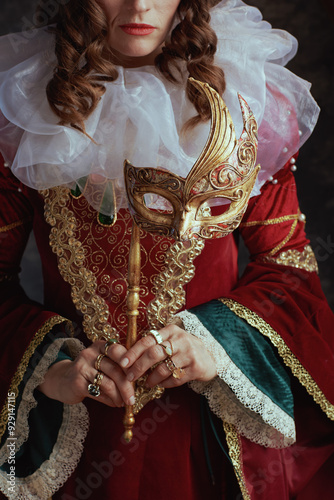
(159, 203)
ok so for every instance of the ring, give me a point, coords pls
(94, 388)
(176, 371)
(98, 361)
(109, 343)
(168, 349)
(156, 335)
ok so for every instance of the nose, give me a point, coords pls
(139, 5)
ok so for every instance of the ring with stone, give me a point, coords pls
(94, 388)
(168, 348)
(109, 343)
(176, 371)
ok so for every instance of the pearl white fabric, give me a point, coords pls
(141, 115)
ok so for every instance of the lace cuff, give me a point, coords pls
(235, 399)
(65, 451)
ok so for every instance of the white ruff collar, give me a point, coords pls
(141, 114)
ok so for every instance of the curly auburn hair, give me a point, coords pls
(84, 58)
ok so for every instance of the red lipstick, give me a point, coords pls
(137, 29)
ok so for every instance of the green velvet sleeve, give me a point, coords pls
(250, 352)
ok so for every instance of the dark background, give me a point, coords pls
(312, 23)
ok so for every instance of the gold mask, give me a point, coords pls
(225, 169)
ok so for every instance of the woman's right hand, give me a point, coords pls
(67, 381)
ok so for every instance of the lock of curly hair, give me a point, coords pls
(84, 60)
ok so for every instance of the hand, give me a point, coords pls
(67, 381)
(189, 353)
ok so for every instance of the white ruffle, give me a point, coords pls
(140, 116)
(235, 399)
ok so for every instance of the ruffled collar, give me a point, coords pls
(141, 115)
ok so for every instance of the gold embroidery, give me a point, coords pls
(4, 229)
(286, 354)
(108, 251)
(293, 217)
(286, 239)
(234, 446)
(270, 222)
(301, 260)
(21, 369)
(71, 264)
(179, 269)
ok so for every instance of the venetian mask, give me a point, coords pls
(223, 175)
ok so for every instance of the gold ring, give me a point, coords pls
(94, 388)
(156, 335)
(168, 349)
(176, 371)
(108, 344)
(98, 361)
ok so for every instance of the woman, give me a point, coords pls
(118, 89)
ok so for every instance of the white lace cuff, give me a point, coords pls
(235, 399)
(67, 450)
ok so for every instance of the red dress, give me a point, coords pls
(279, 295)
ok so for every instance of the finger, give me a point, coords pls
(107, 390)
(163, 373)
(114, 351)
(137, 350)
(149, 359)
(115, 373)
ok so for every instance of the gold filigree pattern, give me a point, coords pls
(144, 395)
(71, 264)
(18, 223)
(293, 258)
(21, 369)
(168, 285)
(234, 447)
(225, 169)
(286, 354)
(108, 251)
(74, 240)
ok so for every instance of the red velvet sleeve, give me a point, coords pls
(280, 293)
(24, 323)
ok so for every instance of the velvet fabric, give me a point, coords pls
(167, 457)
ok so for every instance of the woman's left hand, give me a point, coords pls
(189, 353)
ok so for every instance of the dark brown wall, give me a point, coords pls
(312, 22)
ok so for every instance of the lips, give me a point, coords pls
(136, 29)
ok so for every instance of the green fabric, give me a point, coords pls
(44, 420)
(251, 352)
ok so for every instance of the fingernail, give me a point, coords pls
(130, 377)
(132, 400)
(124, 362)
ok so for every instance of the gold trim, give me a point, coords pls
(21, 369)
(286, 239)
(279, 220)
(71, 264)
(293, 258)
(178, 270)
(234, 447)
(286, 354)
(4, 229)
(270, 222)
